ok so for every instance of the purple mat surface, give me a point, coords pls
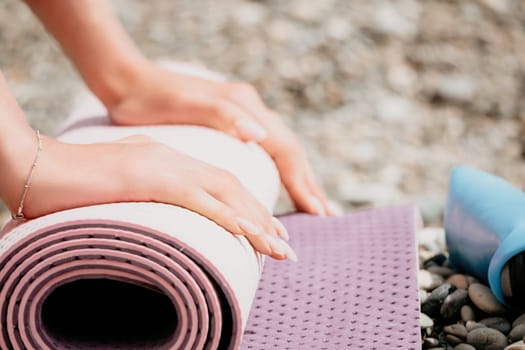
(355, 286)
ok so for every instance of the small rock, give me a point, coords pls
(425, 321)
(519, 320)
(517, 333)
(453, 303)
(457, 88)
(456, 329)
(464, 347)
(249, 14)
(458, 280)
(487, 339)
(520, 345)
(433, 303)
(438, 259)
(394, 109)
(467, 314)
(483, 298)
(430, 342)
(389, 20)
(453, 340)
(432, 238)
(442, 271)
(423, 295)
(429, 281)
(471, 325)
(498, 323)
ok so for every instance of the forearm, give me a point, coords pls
(17, 146)
(95, 41)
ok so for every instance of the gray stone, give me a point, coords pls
(487, 339)
(498, 323)
(452, 304)
(457, 329)
(453, 340)
(464, 347)
(470, 325)
(519, 320)
(444, 272)
(434, 300)
(483, 298)
(467, 314)
(517, 333)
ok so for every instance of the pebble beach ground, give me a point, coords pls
(457, 311)
(387, 96)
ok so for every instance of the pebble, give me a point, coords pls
(443, 271)
(467, 314)
(487, 339)
(517, 333)
(452, 304)
(423, 295)
(425, 321)
(434, 300)
(519, 320)
(498, 323)
(429, 281)
(520, 345)
(457, 329)
(430, 342)
(464, 347)
(453, 340)
(457, 88)
(458, 280)
(470, 325)
(483, 298)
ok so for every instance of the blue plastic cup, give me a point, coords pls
(485, 230)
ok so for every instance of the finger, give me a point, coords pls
(281, 230)
(223, 215)
(237, 122)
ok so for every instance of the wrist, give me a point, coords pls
(16, 159)
(113, 83)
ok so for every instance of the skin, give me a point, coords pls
(132, 87)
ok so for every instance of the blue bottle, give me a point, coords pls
(485, 231)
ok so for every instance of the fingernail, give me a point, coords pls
(291, 255)
(335, 208)
(317, 206)
(251, 130)
(249, 227)
(281, 230)
(280, 247)
(277, 245)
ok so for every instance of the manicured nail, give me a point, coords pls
(280, 247)
(335, 208)
(317, 206)
(251, 130)
(291, 255)
(277, 245)
(248, 227)
(281, 230)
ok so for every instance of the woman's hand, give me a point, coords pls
(139, 169)
(159, 96)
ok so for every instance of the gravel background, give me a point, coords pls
(386, 95)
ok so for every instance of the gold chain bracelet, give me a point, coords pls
(19, 214)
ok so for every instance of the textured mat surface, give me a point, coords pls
(355, 286)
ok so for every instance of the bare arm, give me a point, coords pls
(17, 143)
(95, 41)
(136, 92)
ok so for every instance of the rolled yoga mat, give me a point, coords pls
(155, 276)
(134, 275)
